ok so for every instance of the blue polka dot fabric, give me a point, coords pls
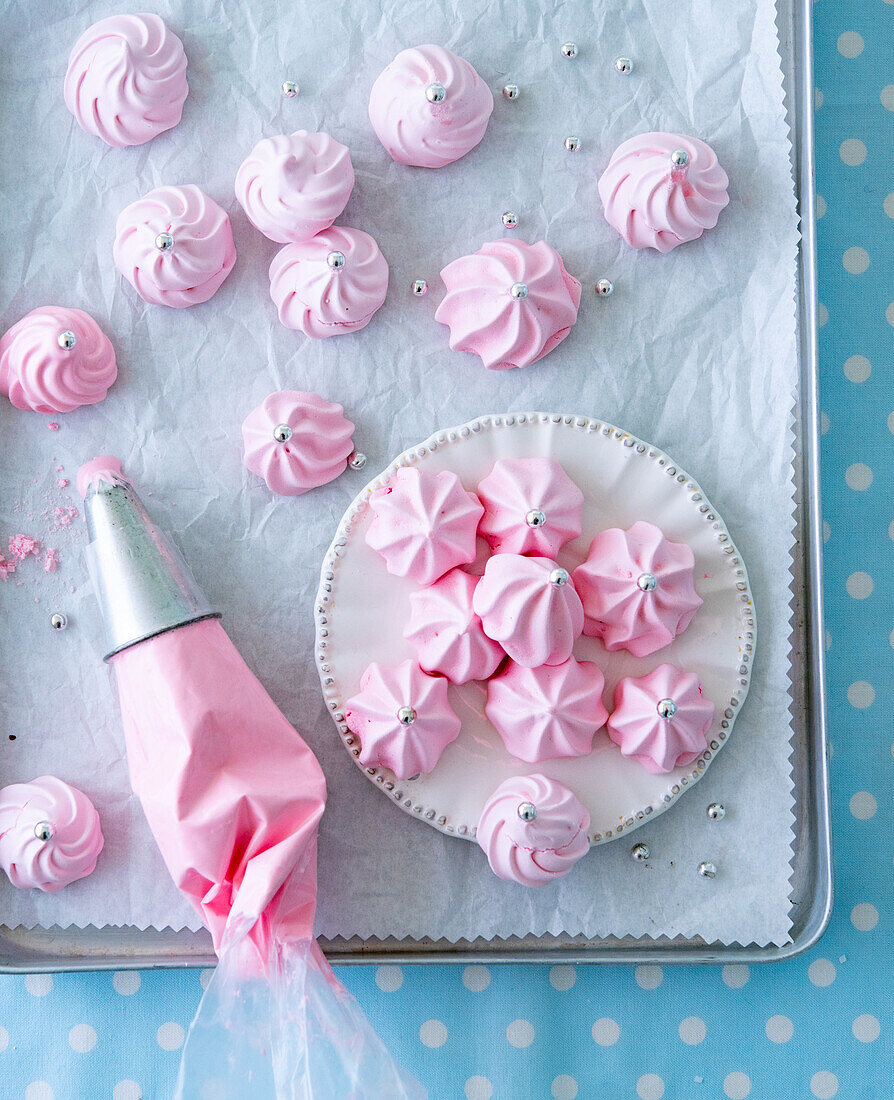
(819, 1026)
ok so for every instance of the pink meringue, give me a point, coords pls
(293, 186)
(662, 719)
(510, 303)
(447, 634)
(429, 107)
(547, 712)
(49, 834)
(102, 470)
(175, 246)
(56, 359)
(403, 718)
(331, 284)
(637, 589)
(296, 441)
(423, 524)
(661, 190)
(530, 607)
(531, 506)
(126, 79)
(533, 830)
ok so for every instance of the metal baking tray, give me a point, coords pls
(120, 948)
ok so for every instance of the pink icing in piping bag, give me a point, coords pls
(234, 797)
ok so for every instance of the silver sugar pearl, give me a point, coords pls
(666, 708)
(559, 577)
(164, 242)
(640, 852)
(604, 288)
(289, 89)
(707, 870)
(44, 830)
(406, 716)
(435, 92)
(646, 582)
(357, 460)
(518, 291)
(716, 811)
(624, 65)
(336, 260)
(418, 287)
(679, 158)
(572, 143)
(509, 219)
(535, 518)
(569, 49)
(66, 340)
(510, 91)
(58, 621)
(527, 811)
(282, 433)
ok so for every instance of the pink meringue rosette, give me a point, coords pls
(530, 607)
(429, 107)
(331, 284)
(126, 79)
(510, 303)
(50, 834)
(293, 186)
(662, 719)
(424, 524)
(447, 635)
(531, 506)
(297, 441)
(174, 246)
(56, 359)
(637, 588)
(403, 718)
(661, 190)
(533, 830)
(547, 712)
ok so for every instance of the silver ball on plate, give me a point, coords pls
(624, 65)
(604, 288)
(640, 852)
(44, 830)
(336, 260)
(559, 577)
(435, 92)
(646, 582)
(572, 143)
(289, 89)
(707, 870)
(535, 518)
(518, 291)
(418, 287)
(527, 811)
(164, 242)
(569, 50)
(666, 708)
(66, 340)
(510, 91)
(58, 621)
(282, 433)
(406, 716)
(357, 460)
(679, 158)
(509, 219)
(716, 811)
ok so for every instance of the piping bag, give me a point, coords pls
(233, 797)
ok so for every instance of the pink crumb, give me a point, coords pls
(62, 483)
(53, 426)
(64, 516)
(20, 546)
(6, 567)
(51, 561)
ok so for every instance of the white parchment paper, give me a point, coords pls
(694, 351)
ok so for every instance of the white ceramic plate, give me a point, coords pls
(361, 611)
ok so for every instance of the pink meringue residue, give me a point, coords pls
(104, 469)
(547, 712)
(537, 851)
(510, 303)
(175, 246)
(531, 506)
(423, 524)
(126, 79)
(530, 607)
(447, 634)
(654, 203)
(56, 359)
(637, 588)
(331, 284)
(403, 718)
(294, 186)
(661, 720)
(429, 107)
(49, 834)
(296, 441)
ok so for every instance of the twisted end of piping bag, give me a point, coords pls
(233, 797)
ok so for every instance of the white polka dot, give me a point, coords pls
(827, 638)
(82, 1038)
(606, 1032)
(857, 368)
(39, 1090)
(520, 1033)
(650, 1087)
(692, 1030)
(648, 977)
(563, 1087)
(38, 985)
(859, 586)
(817, 99)
(864, 917)
(855, 260)
(127, 1090)
(562, 977)
(170, 1036)
(853, 152)
(824, 423)
(891, 422)
(735, 975)
(891, 639)
(478, 1088)
(824, 1085)
(850, 44)
(888, 205)
(779, 1029)
(4, 1039)
(887, 97)
(820, 207)
(433, 1034)
(126, 982)
(889, 313)
(821, 972)
(866, 1028)
(205, 977)
(476, 978)
(858, 476)
(863, 805)
(861, 695)
(389, 978)
(822, 315)
(827, 531)
(737, 1085)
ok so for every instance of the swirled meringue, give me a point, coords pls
(65, 818)
(547, 712)
(174, 246)
(530, 607)
(56, 359)
(539, 850)
(423, 524)
(637, 588)
(662, 719)
(126, 79)
(655, 203)
(531, 506)
(294, 186)
(447, 634)
(510, 303)
(296, 441)
(323, 297)
(403, 718)
(429, 107)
